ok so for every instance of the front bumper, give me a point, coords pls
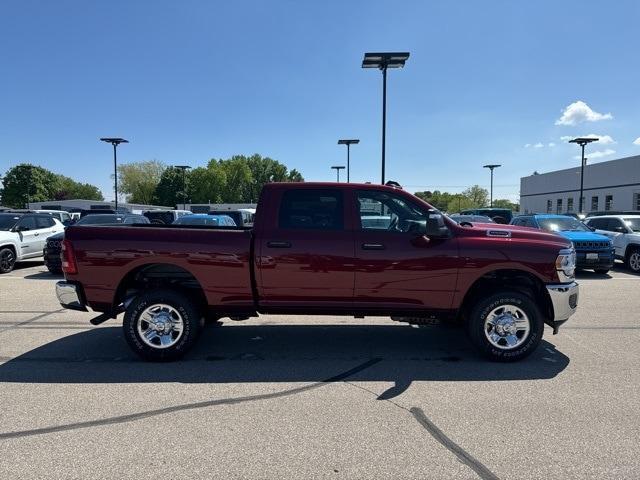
(605, 260)
(564, 299)
(70, 296)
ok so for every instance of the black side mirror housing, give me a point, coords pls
(436, 226)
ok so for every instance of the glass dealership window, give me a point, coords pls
(549, 206)
(608, 202)
(559, 206)
(594, 204)
(570, 204)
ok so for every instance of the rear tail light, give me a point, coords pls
(68, 258)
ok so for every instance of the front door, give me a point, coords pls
(305, 256)
(397, 266)
(28, 234)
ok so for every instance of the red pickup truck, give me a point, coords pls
(324, 248)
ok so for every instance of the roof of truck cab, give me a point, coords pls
(354, 186)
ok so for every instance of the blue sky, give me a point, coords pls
(190, 80)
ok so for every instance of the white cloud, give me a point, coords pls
(636, 141)
(579, 112)
(596, 154)
(551, 144)
(566, 138)
(538, 145)
(527, 145)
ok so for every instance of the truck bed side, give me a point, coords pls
(219, 260)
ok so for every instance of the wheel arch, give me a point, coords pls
(508, 279)
(157, 275)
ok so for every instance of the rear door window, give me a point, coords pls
(312, 209)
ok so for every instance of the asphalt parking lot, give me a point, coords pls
(317, 397)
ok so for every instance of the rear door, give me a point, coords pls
(305, 252)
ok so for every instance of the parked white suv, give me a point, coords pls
(23, 235)
(624, 232)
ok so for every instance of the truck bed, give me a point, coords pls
(218, 258)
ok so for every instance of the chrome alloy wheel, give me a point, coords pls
(507, 327)
(160, 326)
(634, 261)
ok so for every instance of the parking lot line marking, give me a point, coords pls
(188, 406)
(464, 457)
(37, 317)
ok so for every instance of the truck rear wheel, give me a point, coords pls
(161, 325)
(506, 327)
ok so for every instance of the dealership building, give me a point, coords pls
(612, 185)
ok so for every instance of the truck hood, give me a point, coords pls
(583, 236)
(516, 232)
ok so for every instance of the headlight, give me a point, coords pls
(566, 264)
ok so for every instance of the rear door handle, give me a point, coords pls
(373, 246)
(279, 244)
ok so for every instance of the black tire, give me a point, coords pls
(601, 271)
(630, 260)
(55, 270)
(476, 326)
(7, 259)
(183, 305)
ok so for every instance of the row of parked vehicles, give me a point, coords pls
(27, 234)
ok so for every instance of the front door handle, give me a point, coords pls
(279, 244)
(373, 246)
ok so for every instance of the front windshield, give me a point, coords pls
(633, 224)
(99, 219)
(7, 222)
(562, 224)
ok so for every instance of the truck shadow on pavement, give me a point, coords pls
(282, 353)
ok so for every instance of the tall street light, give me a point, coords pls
(337, 168)
(382, 61)
(115, 142)
(348, 143)
(582, 141)
(184, 169)
(491, 167)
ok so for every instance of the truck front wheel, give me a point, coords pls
(506, 327)
(161, 325)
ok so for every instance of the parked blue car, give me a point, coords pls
(593, 251)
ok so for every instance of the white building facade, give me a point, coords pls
(608, 186)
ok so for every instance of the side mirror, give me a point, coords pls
(436, 226)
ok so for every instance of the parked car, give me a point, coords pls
(499, 215)
(23, 235)
(308, 252)
(624, 232)
(165, 217)
(593, 251)
(61, 215)
(206, 219)
(241, 217)
(470, 218)
(53, 245)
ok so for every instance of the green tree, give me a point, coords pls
(206, 183)
(237, 187)
(504, 203)
(27, 183)
(66, 188)
(168, 191)
(139, 180)
(295, 176)
(479, 196)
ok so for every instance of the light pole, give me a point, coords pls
(491, 167)
(582, 141)
(348, 143)
(337, 168)
(382, 61)
(115, 142)
(184, 169)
